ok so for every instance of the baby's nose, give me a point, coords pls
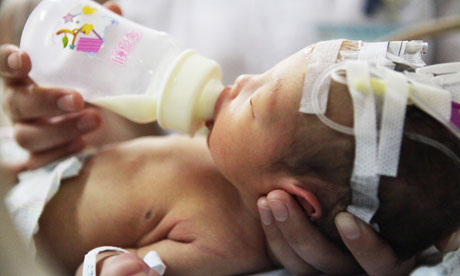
(245, 82)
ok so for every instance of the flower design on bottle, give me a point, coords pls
(83, 36)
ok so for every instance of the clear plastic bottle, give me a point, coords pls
(138, 72)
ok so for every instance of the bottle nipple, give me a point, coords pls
(189, 93)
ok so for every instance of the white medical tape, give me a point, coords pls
(364, 180)
(89, 264)
(322, 57)
(375, 53)
(429, 98)
(364, 197)
(364, 118)
(392, 124)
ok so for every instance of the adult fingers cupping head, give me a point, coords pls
(280, 251)
(450, 243)
(374, 255)
(14, 63)
(304, 238)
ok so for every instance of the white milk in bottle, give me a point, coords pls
(137, 72)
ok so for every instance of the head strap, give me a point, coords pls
(380, 97)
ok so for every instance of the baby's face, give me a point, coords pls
(255, 122)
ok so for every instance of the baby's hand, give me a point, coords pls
(48, 122)
(126, 264)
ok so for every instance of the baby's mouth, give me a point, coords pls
(209, 124)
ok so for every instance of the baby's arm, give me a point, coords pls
(181, 258)
(113, 263)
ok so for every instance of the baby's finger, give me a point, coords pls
(450, 243)
(40, 159)
(45, 135)
(307, 241)
(374, 255)
(113, 7)
(28, 102)
(14, 63)
(278, 245)
(126, 264)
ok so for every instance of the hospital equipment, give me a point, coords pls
(137, 72)
(369, 73)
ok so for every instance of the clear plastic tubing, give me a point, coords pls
(137, 72)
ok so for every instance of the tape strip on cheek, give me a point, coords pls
(364, 198)
(364, 118)
(365, 179)
(392, 124)
(323, 56)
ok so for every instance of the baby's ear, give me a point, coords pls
(306, 198)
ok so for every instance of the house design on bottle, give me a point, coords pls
(84, 29)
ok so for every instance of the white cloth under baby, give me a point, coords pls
(450, 266)
(28, 198)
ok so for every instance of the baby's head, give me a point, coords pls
(261, 142)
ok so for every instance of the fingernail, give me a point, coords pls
(87, 123)
(14, 61)
(66, 103)
(140, 274)
(347, 224)
(279, 210)
(264, 212)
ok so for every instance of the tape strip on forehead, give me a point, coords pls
(322, 57)
(374, 53)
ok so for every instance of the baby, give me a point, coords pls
(197, 206)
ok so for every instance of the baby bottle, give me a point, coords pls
(137, 72)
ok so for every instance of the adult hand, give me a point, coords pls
(48, 122)
(302, 249)
(450, 243)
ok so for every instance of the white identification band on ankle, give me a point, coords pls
(322, 57)
(89, 264)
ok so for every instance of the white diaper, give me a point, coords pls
(27, 199)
